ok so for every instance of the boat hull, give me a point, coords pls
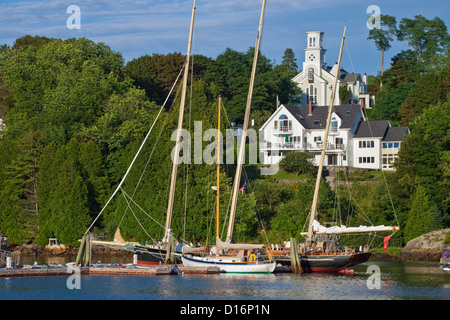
(152, 256)
(231, 267)
(326, 263)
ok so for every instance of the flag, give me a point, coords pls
(243, 186)
(386, 242)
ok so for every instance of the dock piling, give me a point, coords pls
(295, 261)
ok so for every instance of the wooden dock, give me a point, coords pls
(106, 270)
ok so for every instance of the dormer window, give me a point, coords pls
(334, 125)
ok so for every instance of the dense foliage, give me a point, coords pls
(76, 114)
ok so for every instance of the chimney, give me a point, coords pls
(310, 107)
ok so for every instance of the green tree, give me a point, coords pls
(59, 87)
(19, 189)
(246, 222)
(288, 91)
(422, 153)
(155, 74)
(72, 187)
(425, 37)
(419, 216)
(298, 162)
(383, 36)
(344, 94)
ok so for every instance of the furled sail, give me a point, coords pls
(238, 246)
(319, 229)
(118, 236)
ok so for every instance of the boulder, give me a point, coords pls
(427, 247)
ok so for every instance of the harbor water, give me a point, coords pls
(373, 280)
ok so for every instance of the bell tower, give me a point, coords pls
(314, 52)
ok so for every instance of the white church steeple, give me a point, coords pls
(314, 52)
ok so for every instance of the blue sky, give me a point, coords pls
(139, 27)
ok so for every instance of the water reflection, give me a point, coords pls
(399, 280)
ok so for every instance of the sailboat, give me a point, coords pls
(235, 258)
(228, 256)
(323, 251)
(164, 251)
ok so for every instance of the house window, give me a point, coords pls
(285, 124)
(368, 144)
(315, 95)
(275, 124)
(334, 125)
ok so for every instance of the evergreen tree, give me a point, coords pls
(383, 36)
(19, 195)
(419, 216)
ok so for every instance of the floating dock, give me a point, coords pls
(41, 271)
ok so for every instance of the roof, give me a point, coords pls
(396, 133)
(381, 129)
(318, 118)
(372, 129)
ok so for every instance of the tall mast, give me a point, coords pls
(240, 160)
(313, 212)
(218, 171)
(180, 125)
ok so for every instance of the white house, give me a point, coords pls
(317, 78)
(352, 141)
(303, 128)
(376, 144)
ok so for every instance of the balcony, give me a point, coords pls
(297, 146)
(317, 146)
(282, 130)
(281, 146)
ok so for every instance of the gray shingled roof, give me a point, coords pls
(396, 134)
(318, 118)
(372, 129)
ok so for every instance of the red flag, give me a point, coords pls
(242, 189)
(386, 242)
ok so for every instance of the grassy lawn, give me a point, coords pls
(392, 251)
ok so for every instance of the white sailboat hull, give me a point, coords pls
(227, 265)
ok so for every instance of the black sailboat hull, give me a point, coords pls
(152, 256)
(326, 263)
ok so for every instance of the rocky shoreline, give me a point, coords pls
(61, 250)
